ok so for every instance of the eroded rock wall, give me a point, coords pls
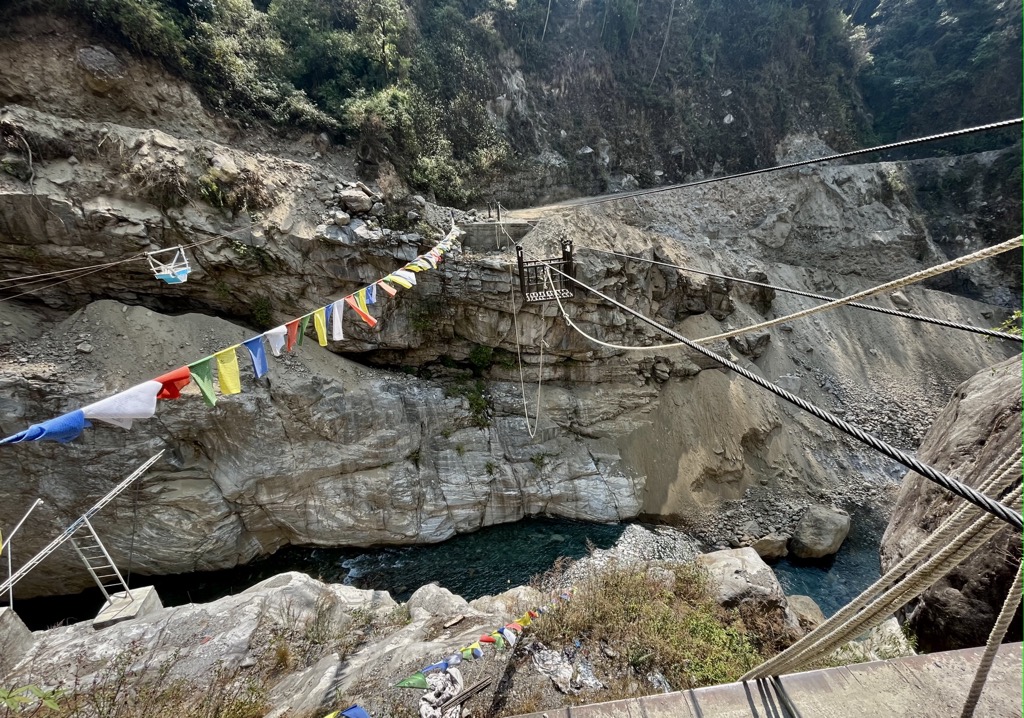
(975, 433)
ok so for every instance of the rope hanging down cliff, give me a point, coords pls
(532, 431)
(963, 491)
(822, 297)
(881, 288)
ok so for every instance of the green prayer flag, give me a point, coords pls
(499, 642)
(202, 374)
(303, 323)
(416, 680)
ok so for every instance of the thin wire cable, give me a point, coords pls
(888, 286)
(101, 268)
(522, 377)
(29, 279)
(792, 165)
(963, 491)
(995, 639)
(821, 297)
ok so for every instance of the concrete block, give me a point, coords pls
(142, 602)
(15, 639)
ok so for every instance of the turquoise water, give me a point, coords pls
(834, 583)
(488, 561)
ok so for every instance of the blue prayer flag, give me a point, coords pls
(64, 428)
(258, 355)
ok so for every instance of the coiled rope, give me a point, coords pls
(962, 490)
(822, 297)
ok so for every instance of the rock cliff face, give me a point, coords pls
(335, 452)
(978, 429)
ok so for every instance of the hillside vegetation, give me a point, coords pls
(461, 94)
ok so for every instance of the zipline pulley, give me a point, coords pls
(175, 271)
(533, 280)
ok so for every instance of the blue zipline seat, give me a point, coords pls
(175, 271)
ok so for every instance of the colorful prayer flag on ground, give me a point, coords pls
(416, 680)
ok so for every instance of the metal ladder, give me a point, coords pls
(77, 524)
(99, 563)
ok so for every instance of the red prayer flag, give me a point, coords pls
(486, 639)
(351, 301)
(173, 382)
(387, 288)
(293, 334)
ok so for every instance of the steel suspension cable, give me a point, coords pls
(801, 163)
(821, 297)
(960, 489)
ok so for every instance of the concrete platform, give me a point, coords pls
(122, 607)
(928, 686)
(493, 236)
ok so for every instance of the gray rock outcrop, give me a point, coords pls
(739, 576)
(324, 453)
(820, 532)
(772, 546)
(976, 432)
(335, 453)
(806, 610)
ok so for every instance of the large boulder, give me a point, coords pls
(978, 429)
(820, 532)
(808, 613)
(739, 576)
(772, 546)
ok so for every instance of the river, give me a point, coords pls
(472, 565)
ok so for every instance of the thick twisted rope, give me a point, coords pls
(888, 286)
(960, 489)
(995, 639)
(821, 297)
(834, 633)
(1005, 474)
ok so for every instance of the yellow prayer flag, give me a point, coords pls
(320, 323)
(399, 281)
(227, 371)
(524, 620)
(361, 300)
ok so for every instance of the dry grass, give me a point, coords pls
(633, 625)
